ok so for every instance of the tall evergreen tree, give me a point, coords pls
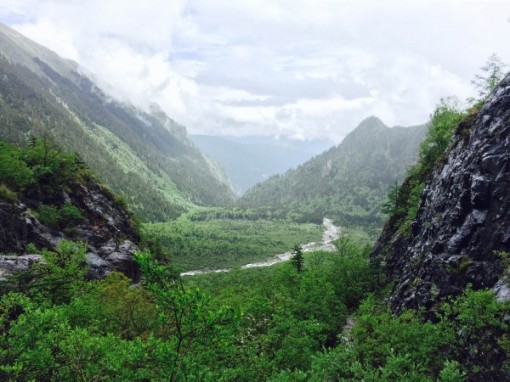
(297, 258)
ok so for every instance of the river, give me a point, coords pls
(331, 233)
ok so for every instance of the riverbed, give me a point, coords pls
(331, 233)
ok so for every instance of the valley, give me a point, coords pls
(331, 233)
(222, 243)
(131, 250)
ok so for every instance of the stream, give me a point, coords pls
(331, 233)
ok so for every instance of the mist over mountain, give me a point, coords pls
(146, 157)
(252, 159)
(347, 182)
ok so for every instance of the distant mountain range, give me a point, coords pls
(349, 181)
(146, 157)
(253, 159)
(158, 168)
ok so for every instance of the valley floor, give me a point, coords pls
(331, 233)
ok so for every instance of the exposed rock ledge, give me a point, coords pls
(106, 228)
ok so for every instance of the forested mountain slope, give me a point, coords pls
(146, 157)
(347, 182)
(253, 159)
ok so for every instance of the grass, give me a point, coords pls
(228, 243)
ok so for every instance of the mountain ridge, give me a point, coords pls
(250, 160)
(349, 180)
(54, 97)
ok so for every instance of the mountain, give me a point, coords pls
(347, 182)
(253, 159)
(461, 233)
(145, 156)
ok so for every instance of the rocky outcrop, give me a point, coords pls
(106, 227)
(463, 223)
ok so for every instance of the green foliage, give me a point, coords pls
(147, 158)
(122, 310)
(478, 318)
(14, 171)
(403, 201)
(348, 182)
(250, 213)
(58, 277)
(444, 122)
(6, 194)
(226, 243)
(49, 216)
(186, 314)
(297, 258)
(255, 325)
(463, 343)
(53, 169)
(286, 318)
(39, 170)
(492, 74)
(392, 204)
(43, 346)
(59, 218)
(452, 372)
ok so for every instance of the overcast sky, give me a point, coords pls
(301, 68)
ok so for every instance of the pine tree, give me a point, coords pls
(297, 258)
(493, 73)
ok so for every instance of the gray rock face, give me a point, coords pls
(464, 216)
(106, 227)
(12, 264)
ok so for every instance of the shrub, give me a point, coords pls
(6, 194)
(69, 215)
(59, 218)
(403, 202)
(14, 172)
(48, 215)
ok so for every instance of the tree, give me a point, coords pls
(189, 321)
(297, 258)
(491, 76)
(391, 205)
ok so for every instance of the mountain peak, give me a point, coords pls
(371, 122)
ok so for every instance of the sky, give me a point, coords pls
(307, 69)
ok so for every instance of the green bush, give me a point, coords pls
(69, 215)
(48, 215)
(468, 342)
(6, 194)
(403, 201)
(59, 218)
(14, 172)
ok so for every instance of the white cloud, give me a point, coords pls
(289, 67)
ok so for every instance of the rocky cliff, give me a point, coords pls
(105, 226)
(463, 223)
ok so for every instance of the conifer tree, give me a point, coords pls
(297, 258)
